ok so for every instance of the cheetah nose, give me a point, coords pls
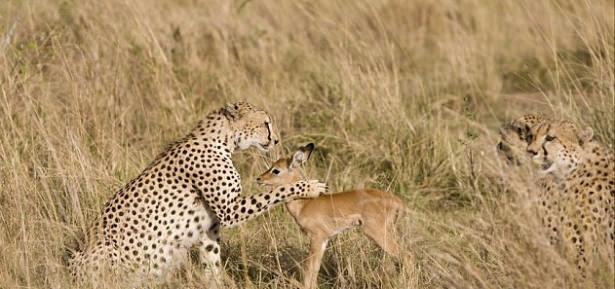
(275, 142)
(532, 151)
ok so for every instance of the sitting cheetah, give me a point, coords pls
(515, 137)
(585, 172)
(180, 201)
(571, 163)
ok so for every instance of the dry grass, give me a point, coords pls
(399, 95)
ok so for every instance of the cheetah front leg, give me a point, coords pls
(241, 209)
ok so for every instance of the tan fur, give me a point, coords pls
(575, 185)
(585, 173)
(374, 211)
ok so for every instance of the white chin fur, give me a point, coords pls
(266, 147)
(260, 147)
(243, 146)
(548, 168)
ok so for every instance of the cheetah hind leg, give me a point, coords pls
(209, 258)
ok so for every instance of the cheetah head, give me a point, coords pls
(515, 136)
(558, 147)
(251, 127)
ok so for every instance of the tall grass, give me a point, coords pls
(399, 95)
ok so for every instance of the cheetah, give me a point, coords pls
(585, 173)
(181, 200)
(574, 183)
(515, 137)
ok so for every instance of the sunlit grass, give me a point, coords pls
(399, 95)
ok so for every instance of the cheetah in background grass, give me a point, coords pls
(574, 185)
(585, 172)
(515, 137)
(181, 200)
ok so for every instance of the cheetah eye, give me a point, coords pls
(549, 138)
(275, 172)
(528, 138)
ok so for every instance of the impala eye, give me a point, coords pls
(549, 138)
(275, 172)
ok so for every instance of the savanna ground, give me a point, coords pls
(405, 96)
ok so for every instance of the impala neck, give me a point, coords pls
(295, 206)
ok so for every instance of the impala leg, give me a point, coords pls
(384, 236)
(312, 266)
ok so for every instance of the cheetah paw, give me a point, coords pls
(315, 189)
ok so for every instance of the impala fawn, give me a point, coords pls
(321, 218)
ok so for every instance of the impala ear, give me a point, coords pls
(585, 135)
(298, 158)
(307, 149)
(301, 155)
(231, 111)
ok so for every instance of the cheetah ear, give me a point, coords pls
(231, 111)
(585, 135)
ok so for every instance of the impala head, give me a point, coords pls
(286, 170)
